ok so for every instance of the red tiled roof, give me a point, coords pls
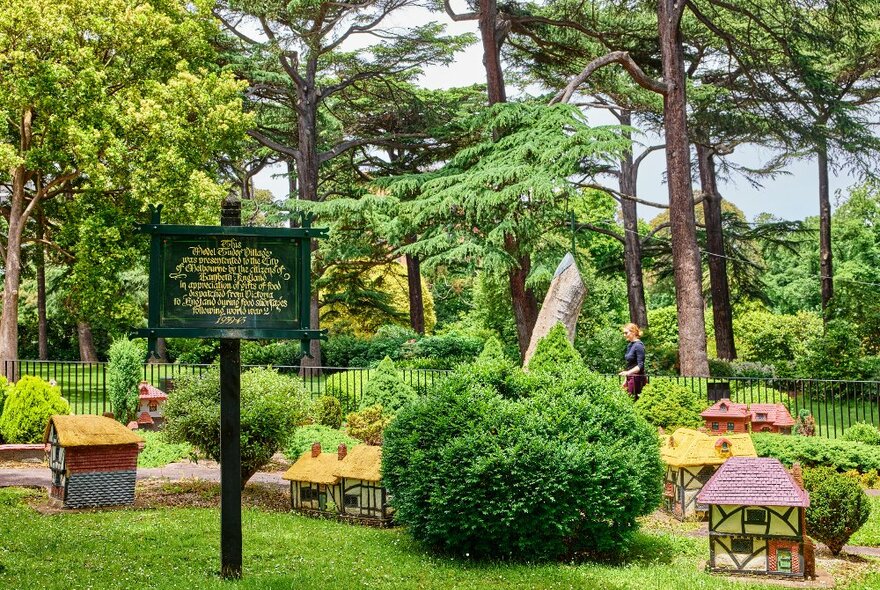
(777, 414)
(753, 481)
(145, 418)
(734, 410)
(148, 392)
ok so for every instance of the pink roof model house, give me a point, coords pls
(757, 519)
(149, 412)
(728, 416)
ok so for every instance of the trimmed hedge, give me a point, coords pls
(838, 507)
(387, 389)
(815, 451)
(29, 405)
(667, 404)
(556, 466)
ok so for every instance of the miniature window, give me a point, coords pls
(351, 501)
(725, 447)
(762, 416)
(756, 516)
(154, 406)
(715, 426)
(766, 429)
(741, 545)
(730, 426)
(308, 494)
(723, 407)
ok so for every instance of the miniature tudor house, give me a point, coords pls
(691, 458)
(149, 414)
(346, 484)
(728, 416)
(757, 519)
(93, 460)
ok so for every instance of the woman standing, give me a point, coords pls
(635, 361)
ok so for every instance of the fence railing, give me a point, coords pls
(84, 385)
(834, 405)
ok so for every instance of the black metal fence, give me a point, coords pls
(84, 385)
(833, 405)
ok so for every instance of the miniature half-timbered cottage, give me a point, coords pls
(93, 460)
(149, 414)
(691, 458)
(728, 416)
(346, 484)
(757, 520)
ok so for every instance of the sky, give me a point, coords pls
(793, 195)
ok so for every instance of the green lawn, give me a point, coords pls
(869, 535)
(179, 548)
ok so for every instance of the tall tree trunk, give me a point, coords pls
(12, 264)
(685, 252)
(632, 246)
(721, 311)
(488, 25)
(161, 355)
(42, 321)
(307, 167)
(414, 284)
(87, 352)
(525, 304)
(825, 268)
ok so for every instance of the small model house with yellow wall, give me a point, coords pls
(691, 458)
(93, 460)
(150, 400)
(757, 519)
(346, 484)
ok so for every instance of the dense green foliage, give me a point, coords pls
(305, 436)
(554, 352)
(28, 407)
(554, 466)
(327, 411)
(124, 371)
(5, 387)
(159, 452)
(369, 424)
(272, 406)
(812, 451)
(838, 507)
(666, 404)
(863, 433)
(385, 388)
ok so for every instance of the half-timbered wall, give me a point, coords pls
(682, 486)
(306, 495)
(777, 521)
(757, 539)
(363, 498)
(738, 553)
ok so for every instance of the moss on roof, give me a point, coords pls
(361, 462)
(320, 469)
(686, 448)
(84, 431)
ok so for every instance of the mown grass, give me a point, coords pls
(179, 548)
(869, 535)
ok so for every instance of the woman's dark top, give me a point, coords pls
(635, 355)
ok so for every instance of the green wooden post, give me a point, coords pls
(230, 435)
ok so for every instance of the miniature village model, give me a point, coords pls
(757, 519)
(149, 413)
(691, 458)
(728, 416)
(346, 484)
(93, 460)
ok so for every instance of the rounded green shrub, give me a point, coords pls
(5, 387)
(327, 411)
(863, 433)
(667, 404)
(838, 507)
(554, 352)
(272, 406)
(27, 409)
(560, 471)
(124, 370)
(387, 389)
(369, 424)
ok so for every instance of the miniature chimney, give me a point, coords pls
(316, 449)
(660, 431)
(343, 451)
(797, 474)
(672, 442)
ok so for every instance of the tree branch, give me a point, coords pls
(621, 57)
(459, 17)
(273, 145)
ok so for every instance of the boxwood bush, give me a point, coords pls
(556, 466)
(29, 405)
(387, 389)
(862, 432)
(813, 451)
(667, 404)
(838, 507)
(272, 406)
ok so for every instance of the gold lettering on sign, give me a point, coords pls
(230, 282)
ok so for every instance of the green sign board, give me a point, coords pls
(229, 281)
